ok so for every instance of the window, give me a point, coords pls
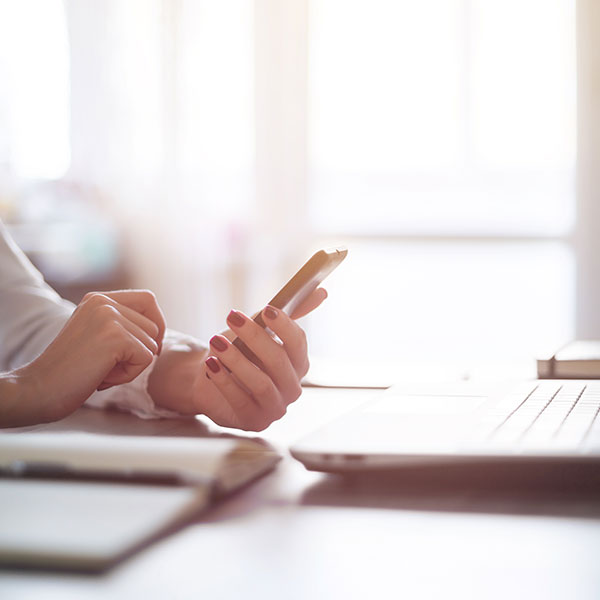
(34, 88)
(442, 147)
(435, 138)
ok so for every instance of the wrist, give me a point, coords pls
(20, 392)
(171, 382)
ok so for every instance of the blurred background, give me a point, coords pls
(205, 148)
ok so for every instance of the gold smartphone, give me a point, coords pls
(298, 289)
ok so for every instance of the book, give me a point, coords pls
(577, 360)
(83, 501)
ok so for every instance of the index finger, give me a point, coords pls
(292, 336)
(144, 302)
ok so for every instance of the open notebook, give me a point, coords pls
(84, 500)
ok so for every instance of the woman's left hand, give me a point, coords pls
(224, 385)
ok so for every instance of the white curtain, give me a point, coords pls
(162, 121)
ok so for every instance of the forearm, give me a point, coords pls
(20, 403)
(32, 314)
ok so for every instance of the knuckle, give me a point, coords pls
(303, 337)
(276, 413)
(295, 392)
(94, 298)
(251, 422)
(262, 388)
(306, 367)
(280, 412)
(114, 333)
(245, 406)
(261, 423)
(106, 312)
(220, 378)
(110, 329)
(252, 336)
(146, 357)
(280, 358)
(148, 295)
(298, 391)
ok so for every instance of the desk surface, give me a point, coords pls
(296, 534)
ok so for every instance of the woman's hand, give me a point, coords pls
(224, 385)
(109, 339)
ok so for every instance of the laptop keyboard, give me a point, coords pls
(552, 414)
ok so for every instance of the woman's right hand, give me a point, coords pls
(109, 339)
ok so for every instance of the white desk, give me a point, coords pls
(301, 535)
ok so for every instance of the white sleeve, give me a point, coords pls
(31, 316)
(31, 312)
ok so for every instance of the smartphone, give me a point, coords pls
(298, 289)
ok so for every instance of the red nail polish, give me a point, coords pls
(235, 318)
(213, 364)
(218, 343)
(270, 313)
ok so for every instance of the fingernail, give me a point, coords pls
(213, 364)
(235, 318)
(270, 312)
(218, 343)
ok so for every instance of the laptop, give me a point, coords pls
(535, 422)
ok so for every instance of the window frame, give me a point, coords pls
(282, 114)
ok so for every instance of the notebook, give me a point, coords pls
(83, 501)
(577, 360)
